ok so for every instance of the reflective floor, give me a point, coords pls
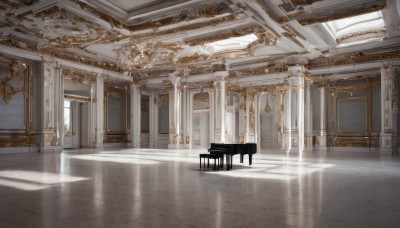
(166, 188)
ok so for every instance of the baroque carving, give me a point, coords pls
(352, 59)
(268, 38)
(60, 54)
(7, 91)
(78, 77)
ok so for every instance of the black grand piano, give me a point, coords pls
(231, 149)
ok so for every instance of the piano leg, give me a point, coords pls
(250, 158)
(228, 162)
(241, 158)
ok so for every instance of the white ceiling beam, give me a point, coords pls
(352, 67)
(25, 54)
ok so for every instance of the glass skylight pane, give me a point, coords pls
(343, 23)
(372, 23)
(242, 41)
(231, 43)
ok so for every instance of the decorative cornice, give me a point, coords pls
(78, 77)
(342, 39)
(79, 98)
(352, 59)
(60, 54)
(304, 2)
(207, 11)
(334, 15)
(185, 28)
(235, 89)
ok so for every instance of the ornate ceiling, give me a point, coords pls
(149, 38)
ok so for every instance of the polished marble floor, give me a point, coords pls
(166, 188)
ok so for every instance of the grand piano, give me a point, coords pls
(229, 150)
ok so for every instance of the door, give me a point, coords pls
(67, 125)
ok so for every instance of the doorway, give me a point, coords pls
(76, 124)
(268, 123)
(201, 120)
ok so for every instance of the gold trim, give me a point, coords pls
(207, 11)
(16, 140)
(115, 90)
(79, 98)
(346, 37)
(78, 77)
(335, 15)
(7, 91)
(352, 59)
(60, 54)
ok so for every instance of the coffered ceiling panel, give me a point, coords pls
(151, 37)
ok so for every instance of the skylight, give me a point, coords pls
(231, 43)
(362, 27)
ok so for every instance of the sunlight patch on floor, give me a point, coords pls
(33, 180)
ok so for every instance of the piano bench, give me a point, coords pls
(208, 157)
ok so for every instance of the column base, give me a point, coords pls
(386, 143)
(51, 149)
(320, 148)
(99, 146)
(176, 146)
(386, 151)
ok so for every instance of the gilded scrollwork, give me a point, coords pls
(78, 77)
(267, 38)
(7, 90)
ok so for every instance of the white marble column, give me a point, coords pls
(287, 114)
(242, 117)
(220, 108)
(92, 115)
(251, 119)
(322, 136)
(280, 115)
(294, 123)
(135, 116)
(175, 131)
(156, 119)
(99, 111)
(153, 120)
(212, 116)
(308, 115)
(52, 108)
(387, 84)
(185, 116)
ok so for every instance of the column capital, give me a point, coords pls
(220, 75)
(173, 78)
(296, 70)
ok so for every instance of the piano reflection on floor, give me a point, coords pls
(229, 150)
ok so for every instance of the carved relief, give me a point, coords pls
(78, 77)
(7, 91)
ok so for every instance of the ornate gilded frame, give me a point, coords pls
(111, 90)
(23, 137)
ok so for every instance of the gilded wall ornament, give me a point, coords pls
(7, 91)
